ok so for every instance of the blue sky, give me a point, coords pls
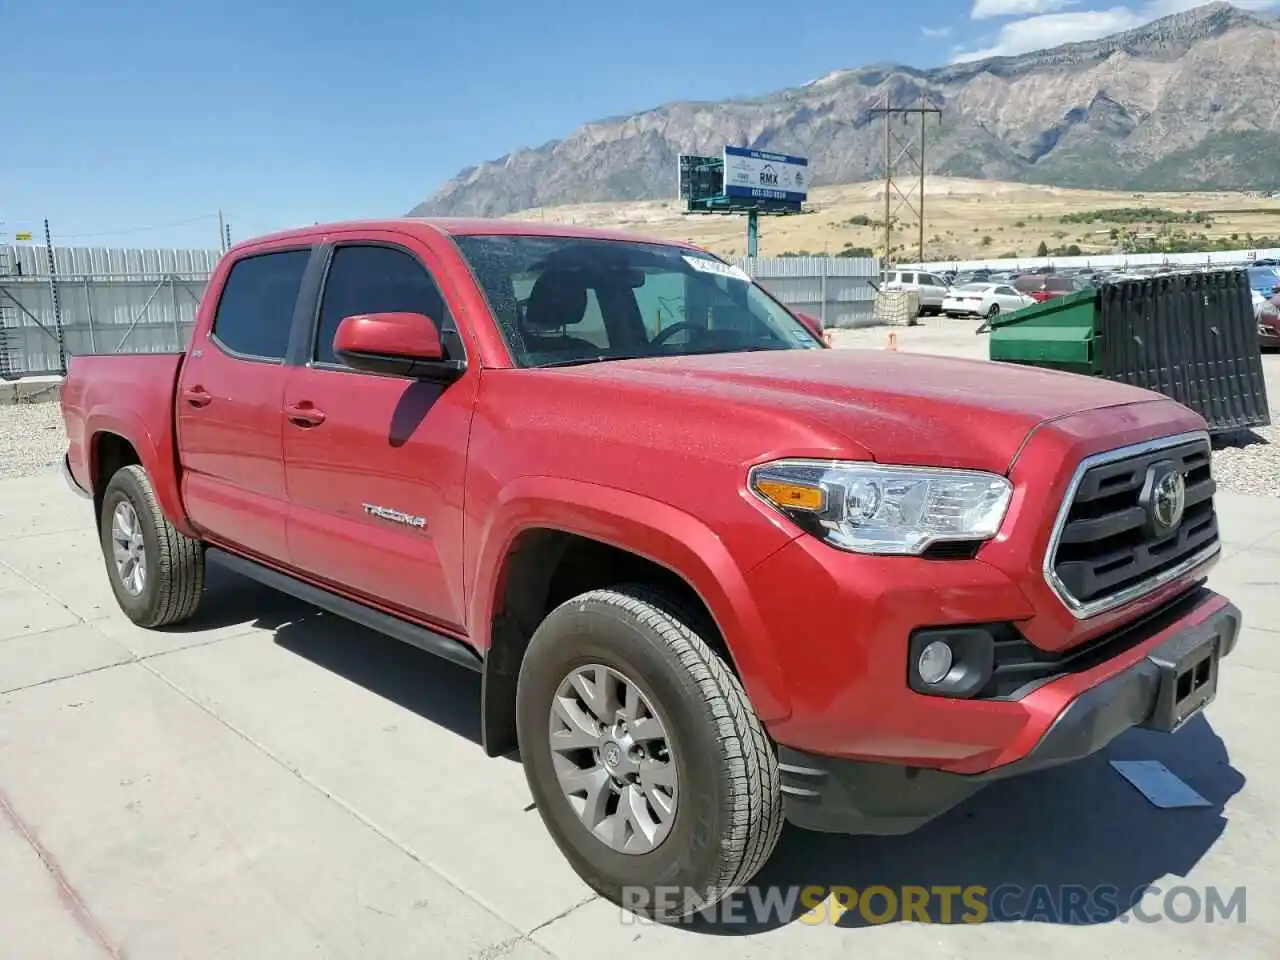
(130, 122)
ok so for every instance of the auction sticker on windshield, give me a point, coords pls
(707, 265)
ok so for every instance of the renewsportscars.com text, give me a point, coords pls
(817, 904)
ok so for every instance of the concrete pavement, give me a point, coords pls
(272, 782)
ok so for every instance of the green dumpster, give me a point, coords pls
(1058, 333)
(1191, 336)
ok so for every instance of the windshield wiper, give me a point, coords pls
(578, 361)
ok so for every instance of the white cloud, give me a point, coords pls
(986, 9)
(936, 31)
(1054, 29)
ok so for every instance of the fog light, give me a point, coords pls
(935, 662)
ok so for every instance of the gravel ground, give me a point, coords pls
(1251, 464)
(32, 438)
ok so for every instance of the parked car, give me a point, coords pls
(985, 300)
(1042, 287)
(1265, 280)
(1267, 314)
(714, 574)
(931, 288)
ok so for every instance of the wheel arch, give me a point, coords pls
(115, 442)
(544, 551)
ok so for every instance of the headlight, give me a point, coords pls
(879, 509)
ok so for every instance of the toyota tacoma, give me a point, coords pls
(715, 574)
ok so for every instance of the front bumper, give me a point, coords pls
(1172, 683)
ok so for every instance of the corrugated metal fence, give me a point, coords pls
(107, 301)
(144, 301)
(836, 290)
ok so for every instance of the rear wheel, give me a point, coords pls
(994, 311)
(647, 763)
(156, 573)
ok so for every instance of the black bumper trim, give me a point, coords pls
(72, 482)
(850, 796)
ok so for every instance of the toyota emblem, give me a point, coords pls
(1165, 497)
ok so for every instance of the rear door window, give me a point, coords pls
(255, 311)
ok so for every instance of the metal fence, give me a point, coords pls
(95, 300)
(1102, 261)
(101, 300)
(836, 290)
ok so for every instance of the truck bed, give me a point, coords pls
(128, 395)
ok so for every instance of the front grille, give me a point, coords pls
(1105, 551)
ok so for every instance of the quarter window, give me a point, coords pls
(255, 312)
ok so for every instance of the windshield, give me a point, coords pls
(564, 300)
(1262, 278)
(975, 287)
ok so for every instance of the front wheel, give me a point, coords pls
(994, 311)
(156, 573)
(647, 763)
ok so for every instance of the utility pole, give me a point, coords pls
(222, 233)
(909, 158)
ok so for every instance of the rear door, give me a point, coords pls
(933, 289)
(1010, 299)
(375, 463)
(229, 395)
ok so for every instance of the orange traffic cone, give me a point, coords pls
(893, 342)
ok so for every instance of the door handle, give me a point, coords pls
(304, 415)
(197, 396)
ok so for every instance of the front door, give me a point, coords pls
(374, 464)
(229, 395)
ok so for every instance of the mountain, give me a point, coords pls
(1185, 102)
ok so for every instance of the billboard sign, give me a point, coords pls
(759, 175)
(700, 177)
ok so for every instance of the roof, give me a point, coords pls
(463, 227)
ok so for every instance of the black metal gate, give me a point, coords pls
(1190, 336)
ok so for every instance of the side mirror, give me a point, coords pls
(811, 323)
(400, 344)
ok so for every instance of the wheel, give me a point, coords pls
(994, 311)
(648, 765)
(156, 572)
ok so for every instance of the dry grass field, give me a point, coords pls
(965, 219)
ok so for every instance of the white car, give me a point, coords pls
(984, 300)
(931, 287)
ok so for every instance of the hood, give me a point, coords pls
(892, 407)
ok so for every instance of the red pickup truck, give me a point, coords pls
(714, 573)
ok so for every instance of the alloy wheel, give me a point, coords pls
(613, 759)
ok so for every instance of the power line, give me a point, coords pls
(147, 229)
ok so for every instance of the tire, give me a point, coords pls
(172, 577)
(994, 311)
(728, 811)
